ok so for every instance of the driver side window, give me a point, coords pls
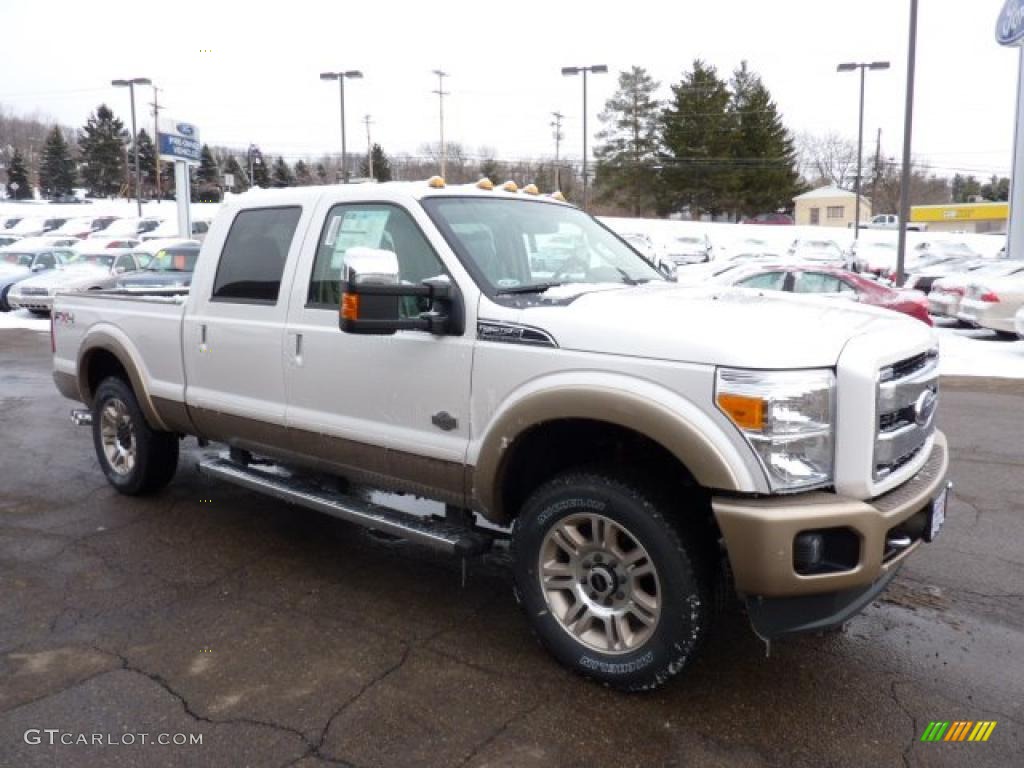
(768, 281)
(376, 225)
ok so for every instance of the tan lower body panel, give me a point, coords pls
(360, 462)
(759, 533)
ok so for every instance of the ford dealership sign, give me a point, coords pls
(1010, 27)
(178, 141)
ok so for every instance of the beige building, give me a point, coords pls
(829, 207)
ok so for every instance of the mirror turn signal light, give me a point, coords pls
(435, 182)
(485, 183)
(745, 412)
(350, 306)
(531, 189)
(510, 186)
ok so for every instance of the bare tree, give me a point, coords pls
(827, 159)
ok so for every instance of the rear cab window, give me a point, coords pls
(254, 255)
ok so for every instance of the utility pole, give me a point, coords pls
(863, 67)
(369, 146)
(908, 132)
(570, 71)
(155, 104)
(557, 125)
(441, 93)
(135, 134)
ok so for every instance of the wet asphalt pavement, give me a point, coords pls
(283, 637)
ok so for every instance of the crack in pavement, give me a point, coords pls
(913, 722)
(490, 739)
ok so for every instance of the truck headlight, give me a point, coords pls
(788, 418)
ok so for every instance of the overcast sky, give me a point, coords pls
(259, 82)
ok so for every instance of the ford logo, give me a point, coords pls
(1010, 27)
(185, 129)
(924, 408)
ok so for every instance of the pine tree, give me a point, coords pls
(208, 173)
(102, 142)
(766, 177)
(282, 174)
(629, 143)
(303, 177)
(18, 187)
(321, 173)
(697, 137)
(381, 165)
(491, 169)
(260, 172)
(56, 169)
(234, 169)
(147, 162)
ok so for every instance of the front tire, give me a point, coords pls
(135, 458)
(4, 306)
(612, 587)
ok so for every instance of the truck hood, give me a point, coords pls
(715, 325)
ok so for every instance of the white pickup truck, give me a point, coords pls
(633, 441)
(892, 221)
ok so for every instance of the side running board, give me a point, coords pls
(438, 534)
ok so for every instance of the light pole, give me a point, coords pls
(135, 137)
(850, 67)
(557, 125)
(908, 132)
(441, 93)
(341, 77)
(572, 71)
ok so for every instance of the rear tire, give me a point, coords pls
(612, 587)
(4, 306)
(135, 458)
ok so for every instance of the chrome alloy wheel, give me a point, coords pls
(599, 583)
(117, 434)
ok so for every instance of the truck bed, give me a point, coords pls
(146, 324)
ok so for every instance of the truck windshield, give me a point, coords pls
(523, 246)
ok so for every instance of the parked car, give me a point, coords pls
(83, 226)
(92, 266)
(923, 278)
(8, 222)
(370, 333)
(132, 227)
(892, 221)
(771, 219)
(993, 303)
(877, 257)
(1018, 322)
(687, 249)
(6, 240)
(169, 228)
(833, 282)
(748, 248)
(145, 250)
(32, 226)
(171, 267)
(52, 241)
(818, 251)
(944, 298)
(19, 263)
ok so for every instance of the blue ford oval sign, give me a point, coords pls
(1010, 27)
(185, 129)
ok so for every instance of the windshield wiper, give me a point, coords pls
(625, 277)
(531, 288)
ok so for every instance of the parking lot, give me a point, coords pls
(288, 638)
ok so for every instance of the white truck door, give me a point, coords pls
(234, 325)
(393, 405)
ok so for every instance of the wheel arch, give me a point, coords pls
(104, 354)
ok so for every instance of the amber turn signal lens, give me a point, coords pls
(745, 412)
(350, 306)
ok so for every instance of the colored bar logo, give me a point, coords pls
(958, 730)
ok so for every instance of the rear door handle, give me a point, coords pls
(202, 338)
(297, 349)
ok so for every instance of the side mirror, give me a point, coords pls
(38, 267)
(371, 294)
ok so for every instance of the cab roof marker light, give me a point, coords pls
(435, 182)
(531, 189)
(510, 186)
(557, 195)
(485, 183)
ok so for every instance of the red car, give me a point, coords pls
(830, 281)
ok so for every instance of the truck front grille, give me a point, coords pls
(32, 291)
(905, 403)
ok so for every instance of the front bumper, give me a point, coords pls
(759, 533)
(37, 303)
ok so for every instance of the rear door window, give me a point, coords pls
(768, 281)
(254, 255)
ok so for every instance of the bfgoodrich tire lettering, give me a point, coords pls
(613, 587)
(135, 458)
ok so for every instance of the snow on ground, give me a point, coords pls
(24, 319)
(975, 352)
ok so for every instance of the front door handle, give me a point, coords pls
(297, 349)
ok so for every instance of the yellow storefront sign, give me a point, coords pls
(961, 212)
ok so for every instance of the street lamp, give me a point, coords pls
(341, 77)
(135, 137)
(851, 67)
(571, 72)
